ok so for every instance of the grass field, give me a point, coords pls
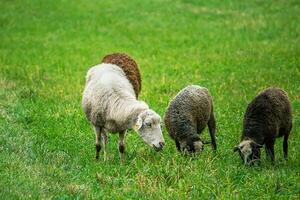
(235, 48)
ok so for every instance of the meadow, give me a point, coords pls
(234, 48)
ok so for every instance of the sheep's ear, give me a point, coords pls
(198, 145)
(206, 142)
(138, 124)
(182, 145)
(235, 149)
(255, 145)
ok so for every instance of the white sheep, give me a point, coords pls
(110, 104)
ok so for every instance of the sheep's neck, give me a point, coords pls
(127, 111)
(134, 115)
(258, 140)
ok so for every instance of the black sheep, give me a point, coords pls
(267, 117)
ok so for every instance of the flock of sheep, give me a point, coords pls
(110, 102)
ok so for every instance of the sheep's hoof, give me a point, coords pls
(104, 156)
(122, 159)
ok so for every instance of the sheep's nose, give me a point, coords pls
(160, 147)
(161, 144)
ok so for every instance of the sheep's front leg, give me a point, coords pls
(98, 141)
(177, 145)
(122, 145)
(270, 150)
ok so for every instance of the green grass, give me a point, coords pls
(235, 48)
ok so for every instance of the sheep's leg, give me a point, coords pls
(177, 145)
(104, 143)
(212, 130)
(270, 150)
(285, 146)
(122, 145)
(98, 140)
(285, 132)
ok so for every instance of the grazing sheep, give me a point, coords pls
(110, 103)
(186, 117)
(267, 117)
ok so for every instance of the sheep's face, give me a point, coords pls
(249, 151)
(149, 128)
(192, 145)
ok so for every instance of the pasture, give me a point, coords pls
(234, 48)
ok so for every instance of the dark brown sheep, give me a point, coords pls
(267, 117)
(186, 117)
(129, 66)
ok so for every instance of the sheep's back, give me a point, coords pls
(106, 85)
(130, 68)
(269, 112)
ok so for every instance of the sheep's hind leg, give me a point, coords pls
(104, 143)
(122, 145)
(98, 141)
(285, 132)
(212, 131)
(285, 146)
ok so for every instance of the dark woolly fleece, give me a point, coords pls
(268, 116)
